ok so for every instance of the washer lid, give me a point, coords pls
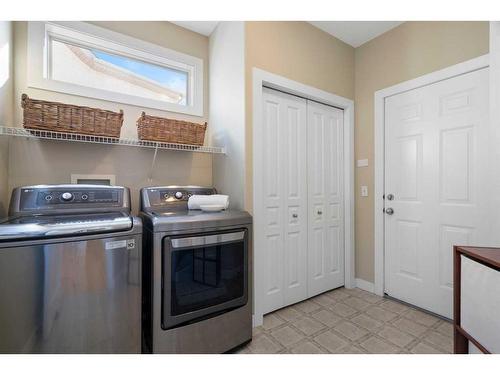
(22, 228)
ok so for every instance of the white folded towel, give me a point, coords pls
(195, 201)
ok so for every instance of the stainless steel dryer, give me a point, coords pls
(70, 271)
(197, 274)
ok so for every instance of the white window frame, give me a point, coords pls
(91, 36)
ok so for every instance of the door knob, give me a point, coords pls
(389, 211)
(320, 212)
(390, 197)
(295, 216)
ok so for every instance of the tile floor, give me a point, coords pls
(350, 321)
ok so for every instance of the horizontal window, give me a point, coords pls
(85, 60)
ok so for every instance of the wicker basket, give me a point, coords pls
(159, 129)
(66, 118)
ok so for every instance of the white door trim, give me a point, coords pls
(439, 75)
(260, 79)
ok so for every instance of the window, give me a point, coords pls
(86, 60)
(101, 70)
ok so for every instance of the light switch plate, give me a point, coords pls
(364, 191)
(362, 163)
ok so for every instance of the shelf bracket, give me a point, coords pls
(150, 178)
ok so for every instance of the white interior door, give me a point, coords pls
(284, 200)
(436, 170)
(325, 198)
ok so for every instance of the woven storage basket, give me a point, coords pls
(159, 129)
(66, 118)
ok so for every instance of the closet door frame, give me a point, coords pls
(261, 79)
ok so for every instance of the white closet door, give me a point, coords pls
(436, 169)
(285, 199)
(325, 202)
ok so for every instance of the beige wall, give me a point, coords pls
(33, 161)
(6, 72)
(406, 52)
(6, 110)
(41, 162)
(298, 51)
(227, 108)
(4, 168)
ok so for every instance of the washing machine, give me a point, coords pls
(70, 271)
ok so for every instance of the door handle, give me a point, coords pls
(389, 211)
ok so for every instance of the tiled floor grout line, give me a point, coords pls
(305, 326)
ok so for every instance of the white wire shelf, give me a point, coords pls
(73, 137)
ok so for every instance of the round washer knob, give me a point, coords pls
(67, 196)
(178, 195)
(85, 197)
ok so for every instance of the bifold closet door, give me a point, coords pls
(325, 198)
(284, 203)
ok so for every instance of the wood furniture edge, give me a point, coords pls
(461, 337)
(473, 252)
(460, 344)
(464, 333)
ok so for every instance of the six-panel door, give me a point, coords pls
(436, 169)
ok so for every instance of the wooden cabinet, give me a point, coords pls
(476, 300)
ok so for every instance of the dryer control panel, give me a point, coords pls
(174, 198)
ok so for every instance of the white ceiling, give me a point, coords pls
(355, 33)
(200, 27)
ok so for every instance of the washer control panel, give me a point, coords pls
(50, 197)
(47, 198)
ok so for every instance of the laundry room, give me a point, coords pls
(276, 185)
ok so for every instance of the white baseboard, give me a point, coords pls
(257, 320)
(365, 285)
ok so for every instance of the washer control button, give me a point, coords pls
(178, 195)
(48, 198)
(85, 197)
(67, 196)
